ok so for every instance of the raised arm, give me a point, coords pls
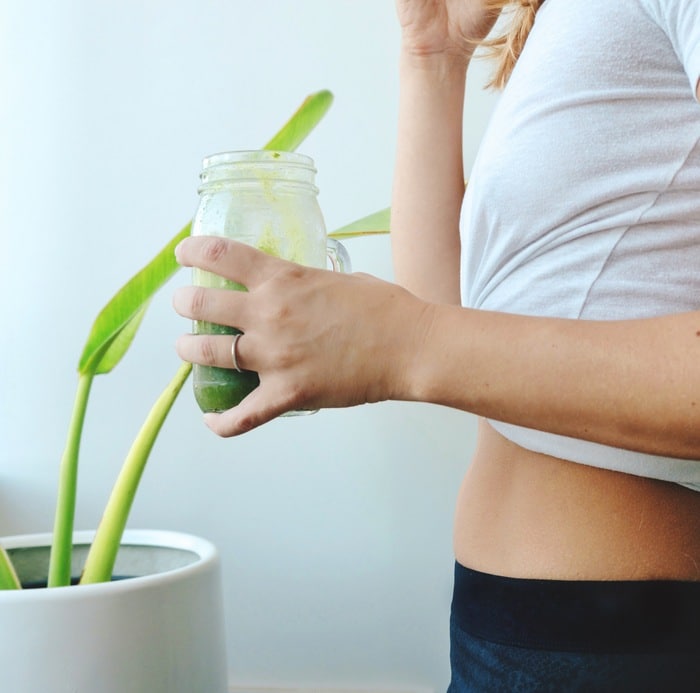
(438, 39)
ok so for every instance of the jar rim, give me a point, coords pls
(267, 156)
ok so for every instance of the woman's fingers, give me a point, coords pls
(263, 404)
(220, 306)
(212, 350)
(235, 261)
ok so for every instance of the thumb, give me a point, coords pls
(262, 405)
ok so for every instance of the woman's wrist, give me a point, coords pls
(440, 64)
(411, 375)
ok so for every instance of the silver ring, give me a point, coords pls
(234, 356)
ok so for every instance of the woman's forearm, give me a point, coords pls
(633, 384)
(429, 177)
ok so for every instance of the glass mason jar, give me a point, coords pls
(266, 199)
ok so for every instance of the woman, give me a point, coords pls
(567, 316)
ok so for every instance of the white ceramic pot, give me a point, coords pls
(161, 630)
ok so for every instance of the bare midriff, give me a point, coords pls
(523, 514)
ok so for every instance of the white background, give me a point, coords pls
(334, 529)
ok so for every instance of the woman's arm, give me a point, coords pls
(633, 384)
(438, 39)
(322, 339)
(428, 178)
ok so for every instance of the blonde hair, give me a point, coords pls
(505, 48)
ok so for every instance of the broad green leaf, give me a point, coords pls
(125, 305)
(121, 342)
(372, 224)
(302, 122)
(105, 346)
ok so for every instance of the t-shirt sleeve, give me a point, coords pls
(680, 20)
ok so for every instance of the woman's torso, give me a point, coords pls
(584, 203)
(523, 514)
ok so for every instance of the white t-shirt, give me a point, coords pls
(584, 199)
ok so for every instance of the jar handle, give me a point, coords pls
(338, 256)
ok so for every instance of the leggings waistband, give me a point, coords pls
(587, 616)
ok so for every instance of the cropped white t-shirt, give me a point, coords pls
(584, 199)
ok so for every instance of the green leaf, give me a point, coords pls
(121, 342)
(372, 224)
(105, 346)
(302, 122)
(124, 307)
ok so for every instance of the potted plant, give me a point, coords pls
(147, 614)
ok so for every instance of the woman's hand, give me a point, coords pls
(316, 338)
(445, 28)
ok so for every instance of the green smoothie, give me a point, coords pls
(219, 389)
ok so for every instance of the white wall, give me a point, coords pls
(334, 529)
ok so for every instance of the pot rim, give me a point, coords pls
(206, 555)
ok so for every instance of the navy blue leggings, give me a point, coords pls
(516, 636)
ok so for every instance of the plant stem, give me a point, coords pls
(103, 552)
(61, 550)
(8, 576)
